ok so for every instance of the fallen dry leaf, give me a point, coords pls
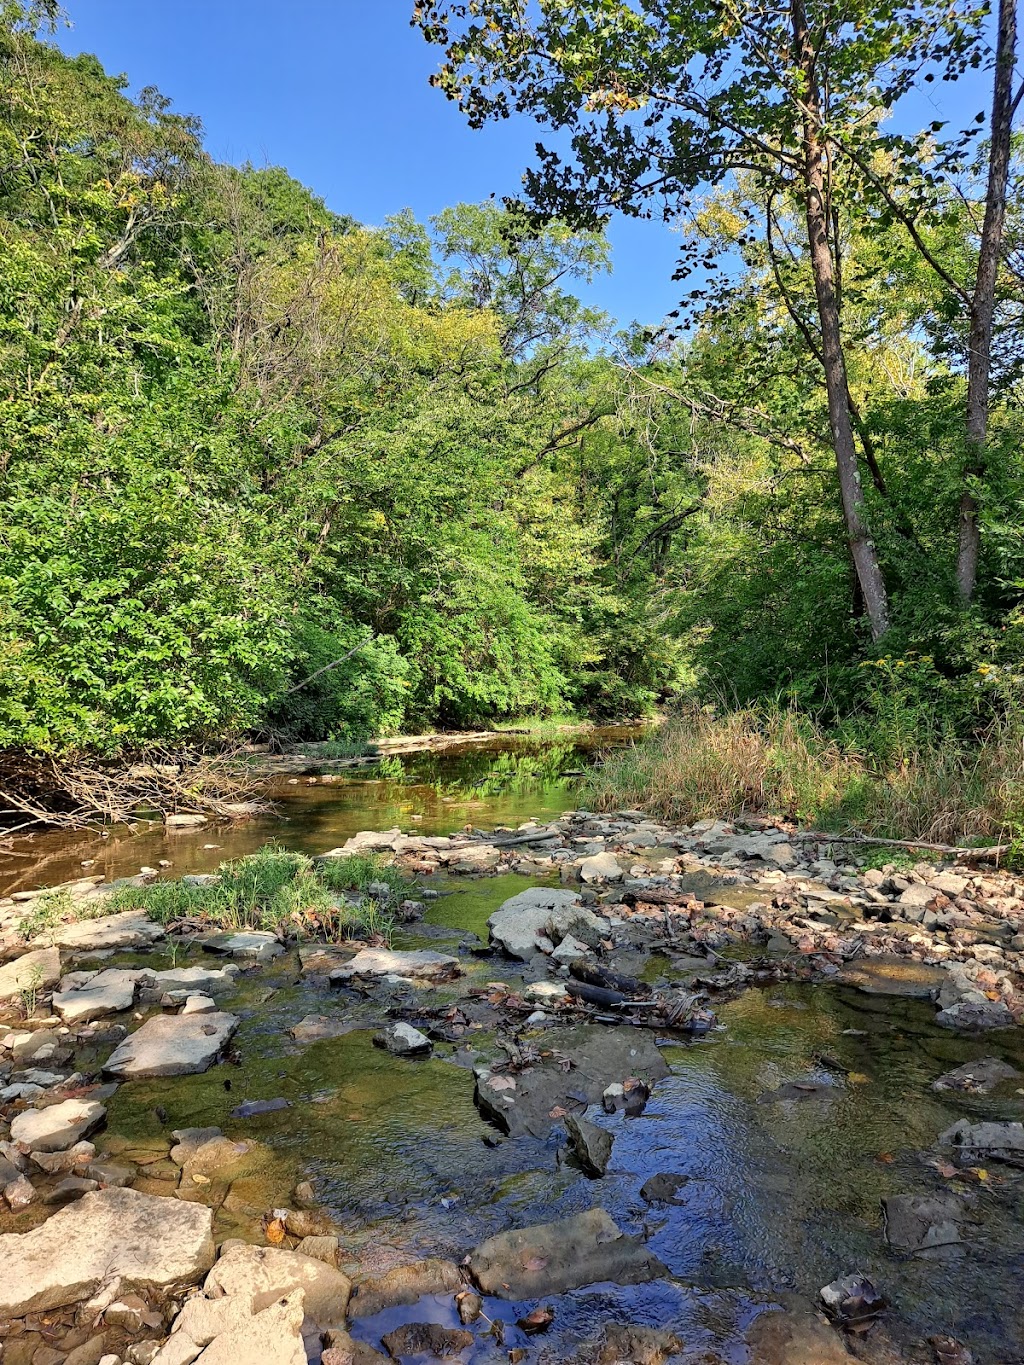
(275, 1231)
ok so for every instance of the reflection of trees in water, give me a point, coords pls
(478, 775)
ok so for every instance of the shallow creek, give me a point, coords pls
(782, 1195)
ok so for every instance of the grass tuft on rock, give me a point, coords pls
(278, 891)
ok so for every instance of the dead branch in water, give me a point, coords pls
(991, 854)
(66, 794)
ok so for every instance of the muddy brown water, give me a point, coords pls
(781, 1196)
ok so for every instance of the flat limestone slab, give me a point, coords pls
(130, 929)
(173, 1045)
(57, 1127)
(152, 1243)
(421, 964)
(107, 992)
(38, 970)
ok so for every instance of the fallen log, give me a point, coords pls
(601, 976)
(991, 854)
(594, 995)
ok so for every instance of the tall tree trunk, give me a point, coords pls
(862, 549)
(983, 302)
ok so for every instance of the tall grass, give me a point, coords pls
(706, 766)
(276, 890)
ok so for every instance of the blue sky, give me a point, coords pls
(336, 91)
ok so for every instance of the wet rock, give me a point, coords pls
(173, 1045)
(320, 1247)
(922, 1224)
(978, 1078)
(898, 976)
(637, 1346)
(314, 1028)
(252, 1108)
(797, 1338)
(470, 1306)
(130, 929)
(58, 1127)
(537, 919)
(663, 1188)
(35, 971)
(69, 1189)
(532, 1100)
(976, 1016)
(404, 1285)
(268, 1273)
(428, 1339)
(554, 1257)
(949, 1351)
(853, 1298)
(272, 1336)
(189, 1140)
(591, 1145)
(989, 1141)
(151, 1243)
(250, 943)
(805, 1089)
(420, 965)
(106, 992)
(402, 1040)
(628, 1097)
(601, 867)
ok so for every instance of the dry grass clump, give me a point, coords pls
(706, 766)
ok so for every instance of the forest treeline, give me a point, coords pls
(268, 470)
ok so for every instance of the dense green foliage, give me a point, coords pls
(266, 470)
(248, 443)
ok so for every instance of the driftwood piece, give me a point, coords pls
(992, 854)
(594, 995)
(615, 981)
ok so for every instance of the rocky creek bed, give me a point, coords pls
(615, 1092)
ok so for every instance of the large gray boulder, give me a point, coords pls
(35, 971)
(150, 1242)
(173, 1045)
(536, 920)
(266, 1274)
(57, 1127)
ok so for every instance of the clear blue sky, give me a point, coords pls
(336, 92)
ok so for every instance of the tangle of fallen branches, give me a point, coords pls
(67, 794)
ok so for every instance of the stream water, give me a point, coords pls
(782, 1196)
